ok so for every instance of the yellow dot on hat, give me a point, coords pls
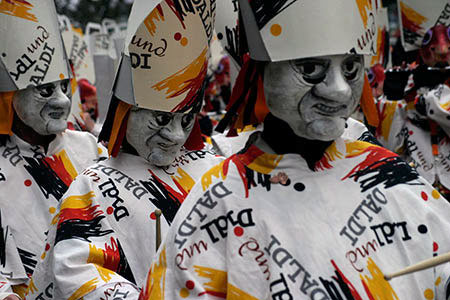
(276, 29)
(184, 41)
(435, 194)
(429, 295)
(52, 210)
(99, 150)
(61, 76)
(184, 293)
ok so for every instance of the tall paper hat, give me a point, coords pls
(163, 66)
(31, 48)
(291, 29)
(166, 54)
(418, 16)
(381, 43)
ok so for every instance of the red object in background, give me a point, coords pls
(88, 96)
(435, 47)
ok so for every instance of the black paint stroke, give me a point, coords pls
(46, 178)
(80, 229)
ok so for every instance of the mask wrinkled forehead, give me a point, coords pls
(291, 29)
(31, 49)
(166, 54)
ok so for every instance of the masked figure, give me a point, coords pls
(39, 157)
(304, 212)
(103, 236)
(415, 123)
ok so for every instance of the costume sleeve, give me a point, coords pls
(12, 270)
(83, 258)
(203, 254)
(392, 115)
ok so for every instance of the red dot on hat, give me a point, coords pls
(47, 247)
(109, 210)
(190, 284)
(177, 36)
(435, 246)
(424, 196)
(27, 182)
(238, 231)
(411, 132)
(153, 216)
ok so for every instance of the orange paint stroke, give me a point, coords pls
(17, 8)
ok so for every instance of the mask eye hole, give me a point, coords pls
(370, 76)
(65, 86)
(163, 119)
(46, 90)
(312, 71)
(187, 120)
(351, 68)
(427, 37)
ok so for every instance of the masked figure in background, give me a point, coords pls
(291, 216)
(39, 157)
(89, 102)
(416, 123)
(103, 238)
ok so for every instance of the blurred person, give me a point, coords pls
(40, 158)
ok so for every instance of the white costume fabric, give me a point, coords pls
(103, 238)
(405, 128)
(264, 226)
(32, 182)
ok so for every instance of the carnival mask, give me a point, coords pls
(158, 136)
(435, 47)
(315, 96)
(44, 108)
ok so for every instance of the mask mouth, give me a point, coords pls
(329, 110)
(167, 146)
(56, 114)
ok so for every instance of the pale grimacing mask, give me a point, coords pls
(316, 95)
(44, 108)
(158, 136)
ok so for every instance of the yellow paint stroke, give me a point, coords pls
(217, 279)
(31, 287)
(446, 106)
(412, 15)
(332, 153)
(78, 201)
(156, 15)
(75, 202)
(19, 9)
(184, 180)
(84, 289)
(105, 274)
(265, 163)
(67, 164)
(355, 148)
(387, 117)
(180, 82)
(379, 287)
(233, 293)
(364, 6)
(216, 171)
(380, 37)
(157, 279)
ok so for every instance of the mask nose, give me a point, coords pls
(334, 87)
(174, 132)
